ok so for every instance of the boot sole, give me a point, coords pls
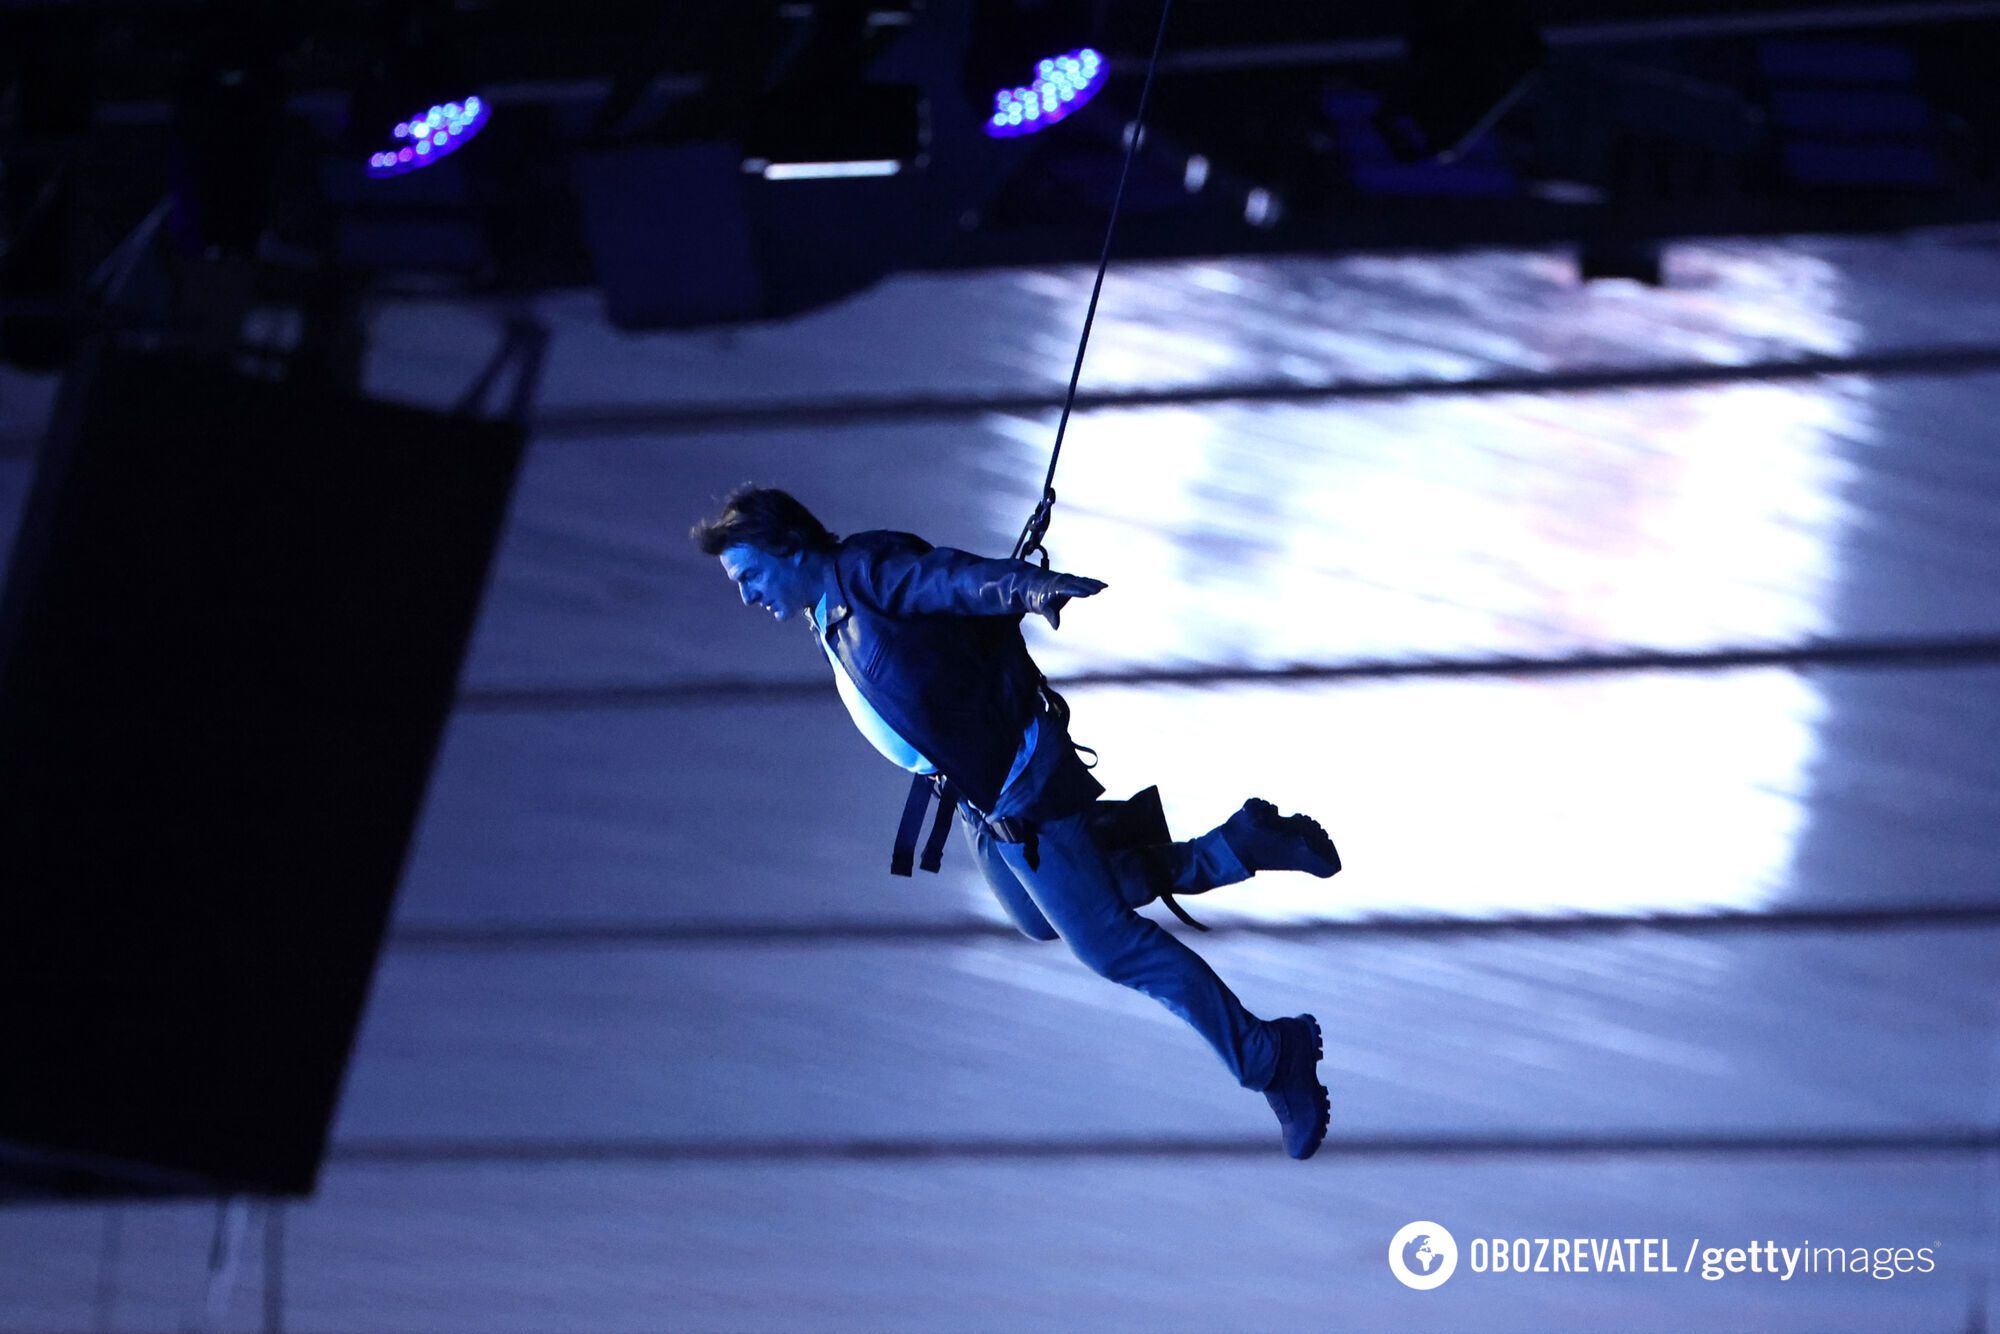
(1321, 1096)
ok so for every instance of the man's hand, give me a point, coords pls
(1062, 588)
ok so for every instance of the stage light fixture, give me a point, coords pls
(1061, 86)
(430, 135)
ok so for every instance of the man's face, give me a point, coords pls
(775, 583)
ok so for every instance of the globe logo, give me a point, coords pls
(1422, 1255)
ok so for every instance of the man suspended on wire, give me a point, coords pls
(926, 650)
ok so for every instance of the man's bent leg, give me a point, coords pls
(1193, 866)
(1077, 889)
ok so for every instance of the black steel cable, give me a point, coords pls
(1030, 540)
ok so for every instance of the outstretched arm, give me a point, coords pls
(944, 580)
(1065, 587)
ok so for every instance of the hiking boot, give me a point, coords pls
(1295, 1092)
(1263, 840)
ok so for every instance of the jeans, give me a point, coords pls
(1085, 894)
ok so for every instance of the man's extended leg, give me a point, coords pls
(1254, 839)
(1192, 866)
(1077, 889)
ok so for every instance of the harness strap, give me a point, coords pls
(922, 786)
(947, 796)
(901, 860)
(1023, 832)
(1180, 912)
(1026, 833)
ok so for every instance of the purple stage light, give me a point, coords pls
(1062, 85)
(430, 135)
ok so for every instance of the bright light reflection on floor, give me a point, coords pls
(1278, 534)
(1270, 534)
(1596, 794)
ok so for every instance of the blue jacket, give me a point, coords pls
(931, 637)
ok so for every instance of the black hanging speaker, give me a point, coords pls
(229, 642)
